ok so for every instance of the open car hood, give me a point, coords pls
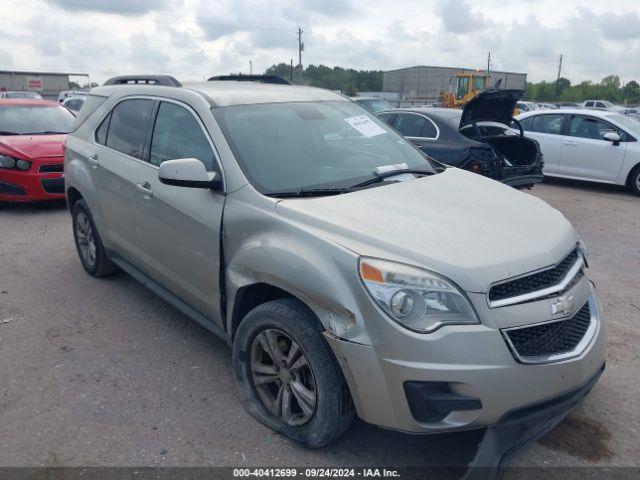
(493, 105)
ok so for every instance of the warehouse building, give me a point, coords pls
(47, 84)
(424, 84)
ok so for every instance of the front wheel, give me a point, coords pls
(288, 377)
(634, 181)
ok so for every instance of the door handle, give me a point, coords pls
(144, 189)
(572, 144)
(93, 160)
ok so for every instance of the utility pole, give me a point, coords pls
(250, 67)
(488, 67)
(300, 49)
(291, 71)
(555, 97)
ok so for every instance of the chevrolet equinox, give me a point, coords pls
(350, 273)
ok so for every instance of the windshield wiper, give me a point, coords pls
(379, 177)
(3, 132)
(309, 192)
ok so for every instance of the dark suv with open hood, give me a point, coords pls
(477, 138)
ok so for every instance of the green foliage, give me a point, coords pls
(609, 88)
(333, 78)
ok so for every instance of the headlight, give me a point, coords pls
(23, 164)
(7, 162)
(417, 299)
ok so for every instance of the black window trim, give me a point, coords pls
(146, 147)
(419, 115)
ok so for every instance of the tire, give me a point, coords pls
(634, 180)
(282, 321)
(88, 243)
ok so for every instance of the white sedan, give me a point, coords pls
(595, 145)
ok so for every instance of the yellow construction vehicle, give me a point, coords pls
(467, 86)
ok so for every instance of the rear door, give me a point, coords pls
(546, 128)
(180, 227)
(118, 165)
(420, 129)
(585, 153)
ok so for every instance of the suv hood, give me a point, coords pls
(34, 146)
(494, 105)
(469, 228)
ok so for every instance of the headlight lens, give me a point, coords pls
(7, 162)
(417, 299)
(23, 164)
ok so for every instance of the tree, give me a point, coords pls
(350, 90)
(333, 78)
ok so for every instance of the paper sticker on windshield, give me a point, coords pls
(365, 126)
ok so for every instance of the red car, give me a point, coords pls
(32, 135)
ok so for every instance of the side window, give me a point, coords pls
(587, 127)
(128, 124)
(429, 130)
(101, 132)
(409, 124)
(177, 134)
(386, 117)
(526, 123)
(588, 104)
(551, 124)
(600, 105)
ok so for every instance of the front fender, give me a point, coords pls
(262, 247)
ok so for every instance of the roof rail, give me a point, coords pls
(163, 80)
(252, 78)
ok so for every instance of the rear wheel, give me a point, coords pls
(288, 377)
(88, 244)
(634, 180)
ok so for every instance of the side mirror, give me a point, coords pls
(612, 137)
(187, 172)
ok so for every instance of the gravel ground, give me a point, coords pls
(104, 373)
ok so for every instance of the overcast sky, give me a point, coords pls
(192, 39)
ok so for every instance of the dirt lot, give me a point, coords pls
(102, 372)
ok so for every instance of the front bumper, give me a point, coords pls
(473, 360)
(30, 185)
(523, 426)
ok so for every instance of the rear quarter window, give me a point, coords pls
(90, 104)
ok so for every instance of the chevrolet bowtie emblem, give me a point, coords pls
(563, 305)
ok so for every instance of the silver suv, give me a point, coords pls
(349, 272)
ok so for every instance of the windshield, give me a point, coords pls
(22, 119)
(374, 105)
(629, 123)
(310, 145)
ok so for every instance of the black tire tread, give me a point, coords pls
(104, 266)
(304, 323)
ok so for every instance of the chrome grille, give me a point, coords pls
(535, 281)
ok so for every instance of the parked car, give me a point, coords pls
(348, 270)
(476, 138)
(70, 93)
(567, 105)
(74, 103)
(523, 106)
(547, 106)
(595, 145)
(373, 104)
(604, 105)
(32, 133)
(20, 94)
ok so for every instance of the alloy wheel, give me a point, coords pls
(282, 376)
(86, 240)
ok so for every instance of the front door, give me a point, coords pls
(180, 227)
(585, 153)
